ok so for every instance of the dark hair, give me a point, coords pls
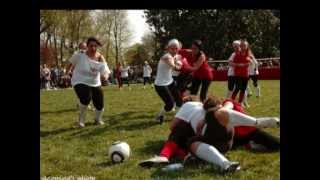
(93, 39)
(211, 101)
(198, 43)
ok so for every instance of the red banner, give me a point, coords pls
(272, 73)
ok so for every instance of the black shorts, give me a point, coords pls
(215, 135)
(231, 83)
(254, 79)
(181, 134)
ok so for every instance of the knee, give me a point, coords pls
(85, 101)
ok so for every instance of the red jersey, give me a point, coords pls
(185, 68)
(240, 131)
(204, 72)
(241, 71)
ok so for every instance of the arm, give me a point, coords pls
(198, 63)
(170, 62)
(70, 68)
(106, 71)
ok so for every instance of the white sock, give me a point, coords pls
(267, 122)
(82, 112)
(211, 155)
(248, 90)
(245, 97)
(258, 91)
(99, 115)
(236, 118)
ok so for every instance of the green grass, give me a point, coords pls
(129, 116)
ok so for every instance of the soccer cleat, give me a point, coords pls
(81, 125)
(157, 160)
(99, 122)
(231, 167)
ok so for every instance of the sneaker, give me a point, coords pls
(99, 122)
(231, 168)
(81, 125)
(157, 160)
(160, 119)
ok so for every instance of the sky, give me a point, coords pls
(138, 25)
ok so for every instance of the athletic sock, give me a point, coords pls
(211, 155)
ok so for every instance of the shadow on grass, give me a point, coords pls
(127, 120)
(58, 111)
(106, 164)
(63, 130)
(189, 171)
(151, 148)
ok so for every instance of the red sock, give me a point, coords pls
(241, 96)
(181, 153)
(169, 149)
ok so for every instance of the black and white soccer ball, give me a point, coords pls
(119, 151)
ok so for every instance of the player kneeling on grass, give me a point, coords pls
(216, 136)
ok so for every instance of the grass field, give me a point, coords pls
(129, 116)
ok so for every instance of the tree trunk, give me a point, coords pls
(55, 46)
(115, 32)
(61, 49)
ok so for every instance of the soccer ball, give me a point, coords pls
(119, 152)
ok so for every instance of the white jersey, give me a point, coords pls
(253, 67)
(231, 68)
(124, 72)
(147, 71)
(87, 71)
(191, 112)
(164, 72)
(175, 73)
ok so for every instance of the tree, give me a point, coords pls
(217, 29)
(121, 33)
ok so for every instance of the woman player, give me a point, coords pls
(216, 137)
(202, 72)
(89, 67)
(164, 84)
(241, 70)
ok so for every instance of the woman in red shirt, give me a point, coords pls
(241, 70)
(202, 72)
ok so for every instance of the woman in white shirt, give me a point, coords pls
(231, 80)
(253, 74)
(146, 74)
(164, 84)
(88, 68)
(125, 73)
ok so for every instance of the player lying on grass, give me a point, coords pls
(216, 136)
